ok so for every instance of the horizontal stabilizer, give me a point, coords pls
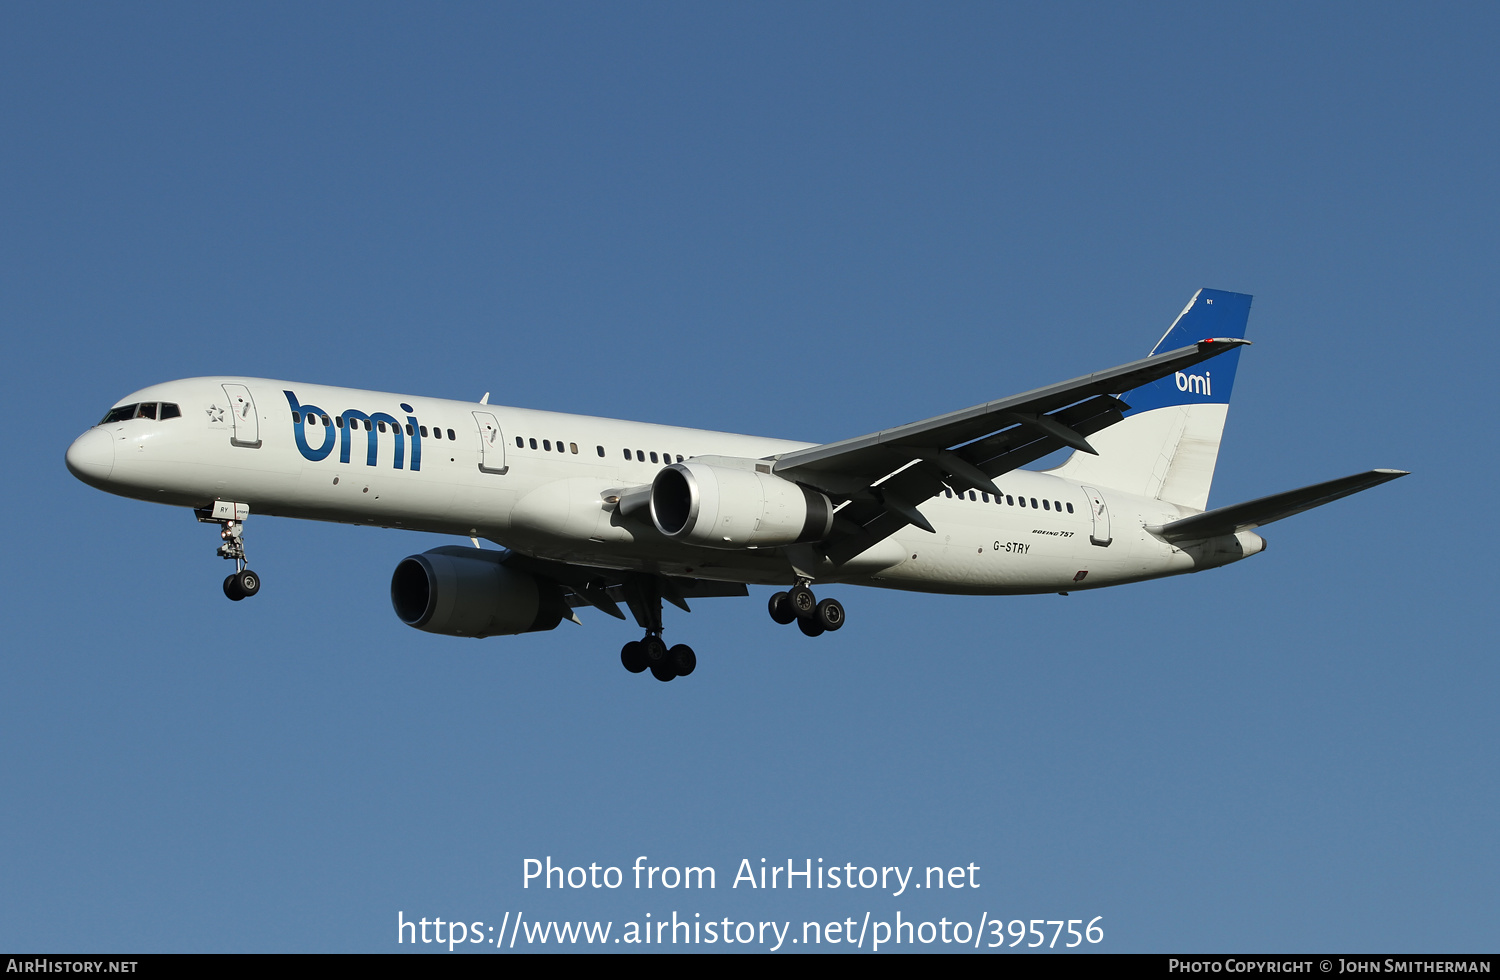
(1254, 513)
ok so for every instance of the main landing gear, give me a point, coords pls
(812, 617)
(242, 583)
(653, 654)
(643, 595)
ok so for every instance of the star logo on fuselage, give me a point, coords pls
(215, 413)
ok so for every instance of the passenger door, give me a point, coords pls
(246, 432)
(491, 444)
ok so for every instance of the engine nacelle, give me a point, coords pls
(727, 507)
(467, 592)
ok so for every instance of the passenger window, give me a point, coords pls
(640, 457)
(679, 459)
(170, 411)
(1070, 508)
(948, 493)
(520, 443)
(1023, 501)
(560, 447)
(1057, 506)
(408, 427)
(437, 433)
(1010, 501)
(984, 498)
(338, 421)
(1033, 501)
(601, 451)
(547, 445)
(368, 426)
(627, 454)
(653, 457)
(382, 426)
(573, 448)
(296, 418)
(422, 429)
(451, 435)
(972, 495)
(326, 422)
(533, 443)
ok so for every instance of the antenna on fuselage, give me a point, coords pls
(486, 399)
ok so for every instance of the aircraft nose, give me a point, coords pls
(91, 458)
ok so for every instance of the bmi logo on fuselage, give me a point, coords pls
(341, 428)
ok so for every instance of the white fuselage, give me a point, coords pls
(486, 471)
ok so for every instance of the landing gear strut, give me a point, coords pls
(643, 595)
(230, 516)
(799, 605)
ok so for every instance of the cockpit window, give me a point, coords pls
(142, 410)
(119, 414)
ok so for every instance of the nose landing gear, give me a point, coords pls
(242, 583)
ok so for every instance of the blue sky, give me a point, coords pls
(808, 221)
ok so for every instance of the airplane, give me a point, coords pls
(595, 512)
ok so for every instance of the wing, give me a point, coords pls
(606, 588)
(883, 476)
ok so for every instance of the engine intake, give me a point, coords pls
(467, 592)
(727, 507)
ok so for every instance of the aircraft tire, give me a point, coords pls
(633, 657)
(662, 671)
(232, 588)
(811, 627)
(248, 582)
(683, 659)
(830, 614)
(654, 650)
(804, 604)
(781, 609)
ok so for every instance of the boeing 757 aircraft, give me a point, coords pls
(598, 512)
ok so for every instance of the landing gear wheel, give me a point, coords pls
(780, 608)
(655, 652)
(633, 657)
(662, 671)
(829, 614)
(683, 659)
(810, 626)
(232, 587)
(802, 601)
(247, 582)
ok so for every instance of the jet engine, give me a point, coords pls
(467, 592)
(721, 506)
